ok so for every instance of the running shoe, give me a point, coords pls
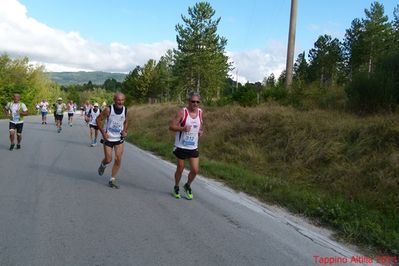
(112, 184)
(101, 169)
(176, 193)
(18, 146)
(12, 147)
(189, 193)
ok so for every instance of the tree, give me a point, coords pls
(325, 59)
(112, 85)
(130, 85)
(395, 27)
(301, 69)
(377, 33)
(354, 52)
(163, 76)
(269, 82)
(200, 63)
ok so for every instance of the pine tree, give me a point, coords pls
(200, 62)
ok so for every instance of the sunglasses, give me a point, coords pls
(195, 101)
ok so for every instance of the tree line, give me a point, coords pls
(345, 74)
(360, 72)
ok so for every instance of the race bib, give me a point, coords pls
(115, 127)
(15, 117)
(189, 139)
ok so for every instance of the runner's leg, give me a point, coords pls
(194, 168)
(118, 159)
(179, 171)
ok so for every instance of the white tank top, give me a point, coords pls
(189, 140)
(114, 125)
(93, 116)
(70, 108)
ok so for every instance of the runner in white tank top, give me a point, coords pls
(71, 111)
(188, 126)
(113, 135)
(93, 114)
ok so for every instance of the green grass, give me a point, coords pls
(339, 169)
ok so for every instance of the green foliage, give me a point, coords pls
(325, 58)
(379, 91)
(245, 96)
(18, 76)
(200, 63)
(276, 93)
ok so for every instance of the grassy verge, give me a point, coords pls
(340, 169)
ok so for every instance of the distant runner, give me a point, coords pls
(16, 110)
(188, 126)
(113, 135)
(43, 105)
(86, 108)
(93, 114)
(60, 107)
(71, 110)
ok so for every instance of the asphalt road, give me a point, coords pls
(56, 210)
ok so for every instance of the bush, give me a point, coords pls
(369, 93)
(276, 93)
(245, 96)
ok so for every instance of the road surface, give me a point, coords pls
(56, 210)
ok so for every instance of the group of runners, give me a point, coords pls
(187, 125)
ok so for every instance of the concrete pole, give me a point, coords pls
(291, 45)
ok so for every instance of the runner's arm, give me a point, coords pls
(24, 110)
(125, 127)
(174, 124)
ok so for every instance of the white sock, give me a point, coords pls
(112, 179)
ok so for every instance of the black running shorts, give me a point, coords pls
(184, 154)
(93, 126)
(59, 117)
(111, 144)
(17, 127)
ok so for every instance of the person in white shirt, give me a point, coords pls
(188, 126)
(113, 135)
(60, 107)
(43, 106)
(71, 110)
(93, 114)
(16, 110)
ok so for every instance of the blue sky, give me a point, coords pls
(256, 30)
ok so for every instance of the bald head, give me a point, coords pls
(119, 99)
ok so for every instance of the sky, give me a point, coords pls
(117, 35)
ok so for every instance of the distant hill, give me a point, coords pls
(81, 77)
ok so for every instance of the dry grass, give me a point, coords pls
(337, 167)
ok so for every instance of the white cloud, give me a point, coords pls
(21, 35)
(254, 65)
(58, 50)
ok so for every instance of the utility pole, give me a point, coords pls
(291, 45)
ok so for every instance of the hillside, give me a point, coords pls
(336, 167)
(81, 77)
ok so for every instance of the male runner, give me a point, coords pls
(43, 105)
(60, 107)
(71, 110)
(113, 135)
(93, 114)
(188, 127)
(86, 107)
(16, 110)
